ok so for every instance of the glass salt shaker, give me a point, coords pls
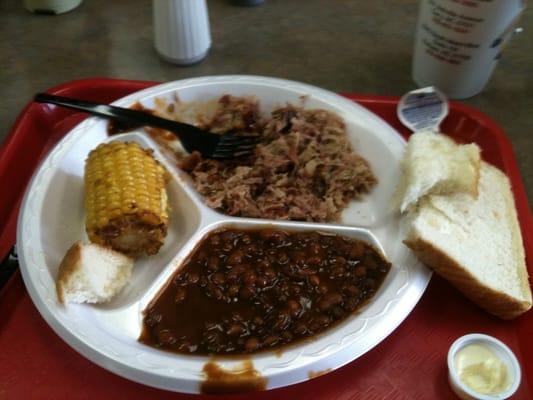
(181, 30)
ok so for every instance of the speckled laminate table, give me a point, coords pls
(342, 45)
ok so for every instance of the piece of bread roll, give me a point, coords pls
(91, 273)
(435, 164)
(475, 243)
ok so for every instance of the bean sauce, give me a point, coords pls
(244, 291)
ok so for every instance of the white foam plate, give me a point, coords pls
(52, 218)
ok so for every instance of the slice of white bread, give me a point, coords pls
(475, 243)
(435, 164)
(91, 273)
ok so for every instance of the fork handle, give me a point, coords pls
(113, 112)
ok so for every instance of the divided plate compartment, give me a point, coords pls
(107, 334)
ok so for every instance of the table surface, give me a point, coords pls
(354, 46)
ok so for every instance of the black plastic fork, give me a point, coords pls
(209, 145)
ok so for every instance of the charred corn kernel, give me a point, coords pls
(125, 198)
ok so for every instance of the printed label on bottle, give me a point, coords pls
(454, 29)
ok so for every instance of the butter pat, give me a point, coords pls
(482, 368)
(479, 368)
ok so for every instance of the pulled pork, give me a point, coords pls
(302, 169)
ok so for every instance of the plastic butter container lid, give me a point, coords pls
(423, 109)
(482, 367)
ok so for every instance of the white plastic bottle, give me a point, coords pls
(181, 30)
(51, 6)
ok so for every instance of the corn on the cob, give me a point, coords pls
(125, 198)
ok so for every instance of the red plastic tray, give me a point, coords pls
(409, 364)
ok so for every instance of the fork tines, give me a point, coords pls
(233, 146)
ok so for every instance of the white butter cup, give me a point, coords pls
(502, 352)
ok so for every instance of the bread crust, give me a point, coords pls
(68, 265)
(514, 227)
(494, 302)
